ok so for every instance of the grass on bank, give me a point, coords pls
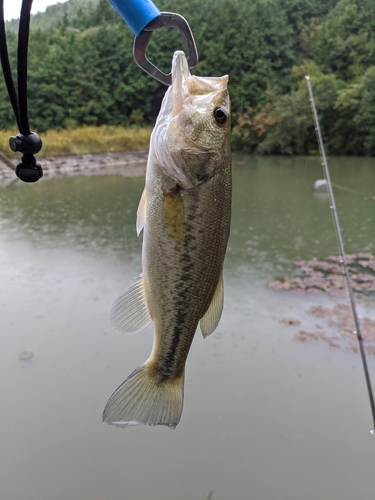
(72, 141)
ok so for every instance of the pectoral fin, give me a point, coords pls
(141, 212)
(129, 313)
(212, 317)
(173, 215)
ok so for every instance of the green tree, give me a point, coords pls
(346, 45)
(7, 120)
(287, 123)
(249, 40)
(82, 71)
(364, 119)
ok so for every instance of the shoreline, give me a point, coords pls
(125, 163)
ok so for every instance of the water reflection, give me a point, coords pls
(264, 417)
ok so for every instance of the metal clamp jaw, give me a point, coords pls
(165, 20)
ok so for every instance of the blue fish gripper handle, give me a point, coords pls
(136, 13)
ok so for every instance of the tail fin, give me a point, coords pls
(142, 399)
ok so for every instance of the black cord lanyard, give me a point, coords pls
(26, 142)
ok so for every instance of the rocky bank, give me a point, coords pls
(126, 163)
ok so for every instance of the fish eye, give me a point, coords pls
(220, 115)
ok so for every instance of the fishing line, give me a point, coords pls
(342, 250)
(344, 188)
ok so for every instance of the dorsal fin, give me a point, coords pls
(212, 317)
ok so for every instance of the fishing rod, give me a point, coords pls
(342, 250)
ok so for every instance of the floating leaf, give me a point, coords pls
(26, 355)
(328, 276)
(320, 312)
(303, 336)
(289, 322)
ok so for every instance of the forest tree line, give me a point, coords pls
(82, 72)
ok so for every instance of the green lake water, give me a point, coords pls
(265, 417)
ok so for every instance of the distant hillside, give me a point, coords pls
(54, 15)
(82, 70)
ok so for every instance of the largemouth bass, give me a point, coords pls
(185, 214)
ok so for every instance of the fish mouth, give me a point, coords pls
(181, 96)
(180, 79)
